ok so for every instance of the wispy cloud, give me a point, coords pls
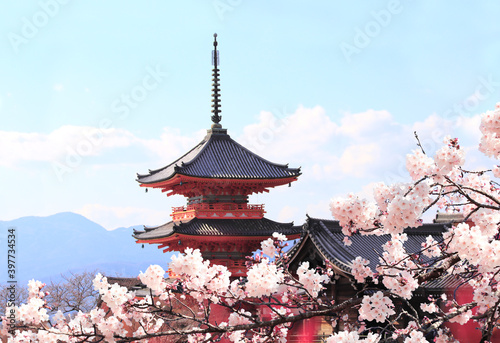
(67, 141)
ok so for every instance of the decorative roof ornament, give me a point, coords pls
(216, 118)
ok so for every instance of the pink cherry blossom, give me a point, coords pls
(376, 307)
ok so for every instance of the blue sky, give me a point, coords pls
(335, 87)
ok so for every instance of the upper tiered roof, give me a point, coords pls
(218, 156)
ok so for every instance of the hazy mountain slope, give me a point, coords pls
(49, 246)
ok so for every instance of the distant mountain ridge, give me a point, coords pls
(49, 246)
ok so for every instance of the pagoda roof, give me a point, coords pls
(218, 156)
(326, 237)
(218, 227)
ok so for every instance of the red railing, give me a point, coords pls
(218, 207)
(218, 210)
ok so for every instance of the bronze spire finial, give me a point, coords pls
(216, 118)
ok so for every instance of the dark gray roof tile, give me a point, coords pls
(219, 156)
(219, 227)
(328, 238)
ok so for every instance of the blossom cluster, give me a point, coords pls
(352, 337)
(376, 307)
(490, 129)
(419, 165)
(34, 312)
(272, 246)
(360, 269)
(205, 281)
(401, 205)
(429, 308)
(461, 318)
(449, 156)
(238, 318)
(430, 247)
(154, 278)
(475, 247)
(353, 213)
(310, 279)
(264, 279)
(486, 292)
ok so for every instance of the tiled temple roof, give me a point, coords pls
(218, 156)
(219, 227)
(328, 238)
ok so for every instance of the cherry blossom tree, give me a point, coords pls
(73, 292)
(264, 306)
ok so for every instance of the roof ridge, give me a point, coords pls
(262, 158)
(323, 220)
(203, 142)
(334, 241)
(210, 135)
(425, 228)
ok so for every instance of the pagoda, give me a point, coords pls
(217, 176)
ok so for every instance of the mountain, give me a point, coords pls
(48, 246)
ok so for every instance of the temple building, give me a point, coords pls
(217, 176)
(323, 241)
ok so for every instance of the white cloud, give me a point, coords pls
(356, 158)
(362, 126)
(19, 147)
(369, 146)
(172, 144)
(359, 145)
(112, 217)
(283, 137)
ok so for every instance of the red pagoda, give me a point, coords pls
(217, 176)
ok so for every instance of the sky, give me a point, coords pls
(93, 92)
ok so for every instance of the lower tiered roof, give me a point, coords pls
(218, 227)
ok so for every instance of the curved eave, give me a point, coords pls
(200, 146)
(178, 177)
(177, 235)
(211, 228)
(337, 266)
(295, 250)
